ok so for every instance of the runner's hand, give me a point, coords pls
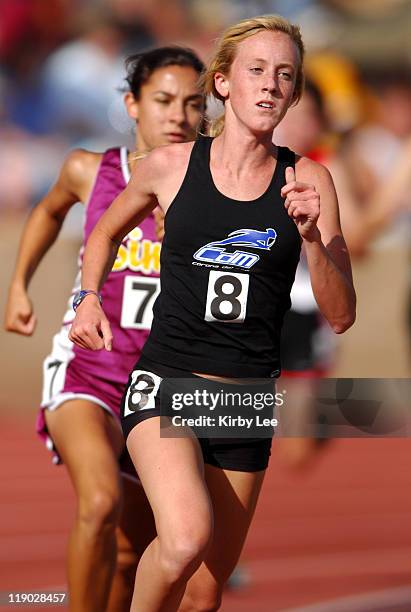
(90, 328)
(19, 317)
(302, 203)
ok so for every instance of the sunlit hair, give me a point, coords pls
(226, 50)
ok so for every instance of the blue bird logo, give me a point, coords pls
(250, 238)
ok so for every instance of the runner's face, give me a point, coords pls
(170, 107)
(260, 85)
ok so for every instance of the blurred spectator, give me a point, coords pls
(166, 20)
(29, 31)
(388, 125)
(72, 98)
(80, 80)
(338, 79)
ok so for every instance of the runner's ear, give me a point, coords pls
(131, 105)
(221, 84)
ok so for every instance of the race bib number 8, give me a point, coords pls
(141, 392)
(227, 294)
(139, 295)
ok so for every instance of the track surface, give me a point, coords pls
(337, 534)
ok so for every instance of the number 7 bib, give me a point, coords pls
(139, 295)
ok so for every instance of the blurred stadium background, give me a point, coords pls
(338, 531)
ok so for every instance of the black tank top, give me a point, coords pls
(227, 268)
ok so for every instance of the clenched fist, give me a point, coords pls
(90, 328)
(302, 202)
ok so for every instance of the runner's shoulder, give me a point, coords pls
(310, 171)
(81, 165)
(168, 158)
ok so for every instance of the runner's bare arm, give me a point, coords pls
(90, 328)
(41, 230)
(327, 254)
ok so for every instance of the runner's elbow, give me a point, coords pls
(341, 325)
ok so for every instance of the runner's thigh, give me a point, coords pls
(89, 441)
(172, 473)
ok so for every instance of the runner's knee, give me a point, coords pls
(100, 508)
(182, 553)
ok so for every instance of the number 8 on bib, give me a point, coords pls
(227, 295)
